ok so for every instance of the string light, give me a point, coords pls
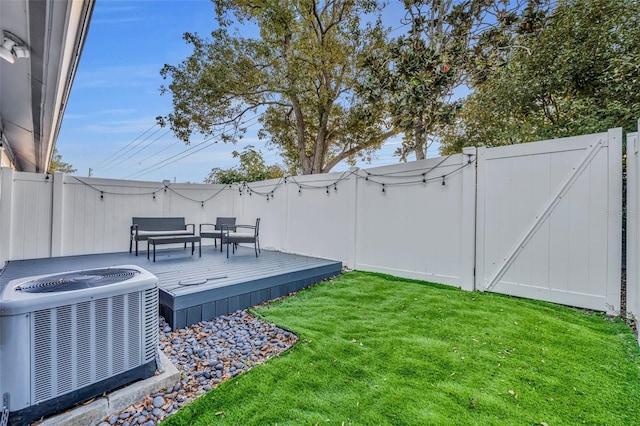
(469, 157)
(403, 180)
(153, 193)
(269, 193)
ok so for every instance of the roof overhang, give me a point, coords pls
(34, 90)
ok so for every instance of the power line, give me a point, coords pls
(124, 147)
(160, 151)
(160, 163)
(148, 144)
(113, 160)
(184, 154)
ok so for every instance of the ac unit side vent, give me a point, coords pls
(84, 343)
(85, 327)
(77, 281)
(151, 333)
(42, 323)
(101, 339)
(65, 326)
(134, 337)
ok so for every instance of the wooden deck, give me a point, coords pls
(196, 288)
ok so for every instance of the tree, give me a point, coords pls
(57, 165)
(299, 76)
(252, 168)
(578, 73)
(415, 75)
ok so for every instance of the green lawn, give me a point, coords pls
(376, 349)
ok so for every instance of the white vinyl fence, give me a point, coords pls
(415, 229)
(633, 225)
(538, 220)
(549, 220)
(59, 215)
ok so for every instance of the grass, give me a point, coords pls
(376, 349)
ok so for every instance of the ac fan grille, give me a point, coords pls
(77, 280)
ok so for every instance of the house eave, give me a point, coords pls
(34, 90)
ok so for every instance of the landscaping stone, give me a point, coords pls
(158, 401)
(206, 354)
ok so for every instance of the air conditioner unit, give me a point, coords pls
(68, 337)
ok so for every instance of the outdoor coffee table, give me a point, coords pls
(175, 239)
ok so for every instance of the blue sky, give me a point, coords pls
(109, 123)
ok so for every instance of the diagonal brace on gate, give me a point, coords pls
(513, 254)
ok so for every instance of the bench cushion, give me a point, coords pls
(143, 233)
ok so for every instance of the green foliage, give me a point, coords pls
(376, 349)
(299, 76)
(415, 75)
(252, 168)
(57, 165)
(576, 72)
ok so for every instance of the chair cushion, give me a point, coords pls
(240, 235)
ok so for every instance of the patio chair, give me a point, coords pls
(215, 231)
(234, 237)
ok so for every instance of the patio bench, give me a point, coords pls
(145, 227)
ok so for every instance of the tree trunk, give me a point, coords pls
(420, 141)
(305, 162)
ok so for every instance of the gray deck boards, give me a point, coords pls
(193, 289)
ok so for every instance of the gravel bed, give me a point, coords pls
(206, 354)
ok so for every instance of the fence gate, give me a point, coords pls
(549, 218)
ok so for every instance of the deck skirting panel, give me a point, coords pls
(180, 312)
